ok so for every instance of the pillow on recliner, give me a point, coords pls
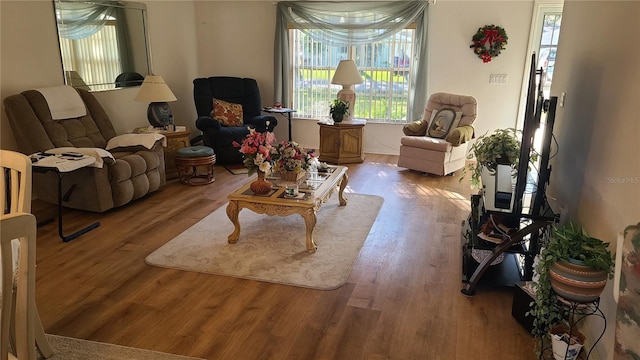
(416, 128)
(442, 122)
(229, 114)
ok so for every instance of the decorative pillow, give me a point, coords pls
(416, 128)
(442, 122)
(229, 114)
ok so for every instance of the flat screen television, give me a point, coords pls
(535, 105)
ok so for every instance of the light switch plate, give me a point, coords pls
(498, 78)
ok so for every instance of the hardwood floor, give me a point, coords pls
(402, 300)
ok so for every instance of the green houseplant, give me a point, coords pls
(338, 109)
(566, 243)
(501, 147)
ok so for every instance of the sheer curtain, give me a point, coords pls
(80, 20)
(352, 23)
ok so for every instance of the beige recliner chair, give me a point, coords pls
(73, 118)
(438, 143)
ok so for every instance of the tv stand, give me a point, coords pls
(514, 243)
(509, 221)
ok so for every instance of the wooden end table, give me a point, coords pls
(275, 203)
(176, 140)
(342, 143)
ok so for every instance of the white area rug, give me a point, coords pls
(272, 248)
(66, 348)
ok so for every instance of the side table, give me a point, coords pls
(61, 166)
(176, 140)
(281, 111)
(342, 143)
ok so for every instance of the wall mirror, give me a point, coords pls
(103, 44)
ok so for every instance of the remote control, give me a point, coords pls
(72, 154)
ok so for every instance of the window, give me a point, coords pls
(386, 39)
(548, 47)
(385, 67)
(96, 57)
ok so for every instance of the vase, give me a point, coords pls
(337, 117)
(260, 186)
(576, 282)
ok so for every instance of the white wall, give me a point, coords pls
(596, 173)
(597, 130)
(30, 58)
(453, 67)
(191, 39)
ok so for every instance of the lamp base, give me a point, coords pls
(347, 94)
(159, 114)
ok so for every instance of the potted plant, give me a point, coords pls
(501, 147)
(338, 109)
(569, 250)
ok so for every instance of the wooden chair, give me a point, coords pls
(19, 316)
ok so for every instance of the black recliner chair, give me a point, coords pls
(236, 90)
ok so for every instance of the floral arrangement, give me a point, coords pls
(257, 149)
(290, 156)
(488, 42)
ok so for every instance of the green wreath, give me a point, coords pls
(488, 42)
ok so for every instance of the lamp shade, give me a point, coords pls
(347, 74)
(154, 89)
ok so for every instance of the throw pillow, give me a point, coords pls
(442, 122)
(229, 114)
(416, 128)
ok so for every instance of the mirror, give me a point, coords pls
(103, 44)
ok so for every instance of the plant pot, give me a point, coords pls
(565, 346)
(337, 117)
(260, 186)
(577, 282)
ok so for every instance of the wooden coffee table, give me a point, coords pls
(312, 196)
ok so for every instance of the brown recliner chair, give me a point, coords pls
(437, 144)
(133, 172)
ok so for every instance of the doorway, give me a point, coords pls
(543, 41)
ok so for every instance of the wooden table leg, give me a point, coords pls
(343, 185)
(310, 219)
(232, 212)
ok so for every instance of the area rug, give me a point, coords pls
(236, 169)
(272, 248)
(66, 348)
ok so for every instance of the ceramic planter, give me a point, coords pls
(577, 282)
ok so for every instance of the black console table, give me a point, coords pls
(61, 166)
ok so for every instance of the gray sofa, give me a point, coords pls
(133, 172)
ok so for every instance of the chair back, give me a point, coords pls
(15, 182)
(17, 255)
(35, 129)
(235, 90)
(464, 103)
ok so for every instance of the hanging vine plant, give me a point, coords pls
(488, 42)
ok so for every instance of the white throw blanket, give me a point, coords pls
(64, 102)
(146, 140)
(97, 153)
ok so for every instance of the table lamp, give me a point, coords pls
(155, 91)
(347, 75)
